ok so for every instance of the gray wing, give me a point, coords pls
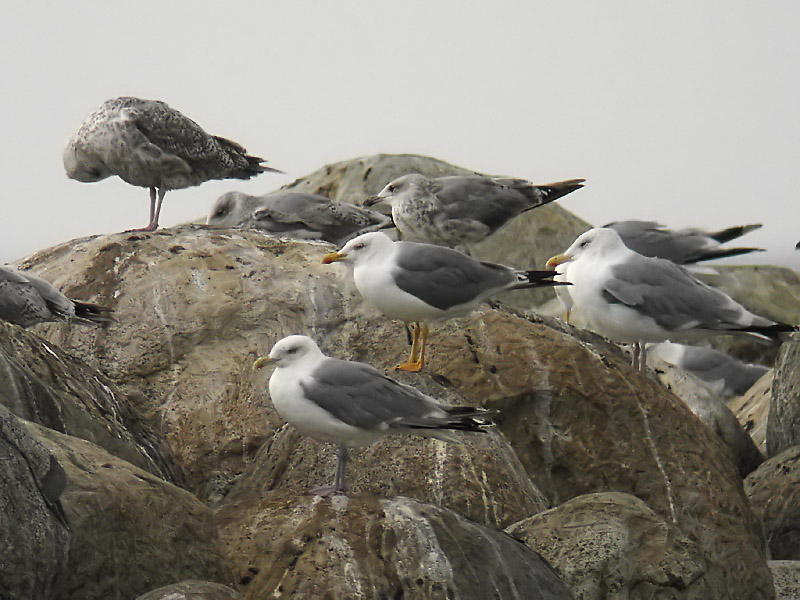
(22, 302)
(363, 397)
(444, 278)
(712, 365)
(651, 239)
(662, 290)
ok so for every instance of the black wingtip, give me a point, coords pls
(93, 313)
(731, 233)
(721, 253)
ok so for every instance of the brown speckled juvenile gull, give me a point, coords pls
(296, 214)
(462, 209)
(148, 144)
(26, 300)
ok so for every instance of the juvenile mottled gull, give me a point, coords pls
(296, 214)
(148, 144)
(462, 209)
(417, 283)
(353, 404)
(684, 246)
(633, 298)
(26, 300)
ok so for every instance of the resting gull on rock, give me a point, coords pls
(148, 144)
(684, 246)
(26, 300)
(636, 299)
(296, 214)
(353, 404)
(417, 283)
(462, 209)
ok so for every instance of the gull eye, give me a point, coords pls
(584, 243)
(359, 246)
(293, 350)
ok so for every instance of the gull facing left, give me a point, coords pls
(353, 404)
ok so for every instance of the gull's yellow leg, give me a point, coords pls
(414, 363)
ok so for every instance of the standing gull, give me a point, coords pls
(462, 209)
(26, 300)
(684, 246)
(635, 299)
(353, 404)
(148, 144)
(296, 214)
(417, 283)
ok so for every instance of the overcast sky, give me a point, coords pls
(684, 112)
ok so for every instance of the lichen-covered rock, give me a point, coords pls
(41, 383)
(774, 493)
(786, 574)
(752, 410)
(34, 533)
(783, 422)
(285, 546)
(131, 532)
(611, 545)
(192, 590)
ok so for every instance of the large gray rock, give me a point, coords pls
(192, 590)
(131, 532)
(611, 545)
(783, 423)
(774, 493)
(41, 383)
(34, 532)
(752, 410)
(287, 546)
(786, 574)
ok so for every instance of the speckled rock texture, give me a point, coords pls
(131, 532)
(774, 493)
(752, 410)
(34, 532)
(287, 546)
(786, 574)
(611, 545)
(192, 590)
(783, 423)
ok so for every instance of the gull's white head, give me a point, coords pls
(229, 210)
(595, 242)
(291, 350)
(401, 187)
(362, 249)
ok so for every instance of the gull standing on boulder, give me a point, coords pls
(417, 283)
(26, 300)
(462, 209)
(353, 404)
(296, 214)
(636, 299)
(148, 144)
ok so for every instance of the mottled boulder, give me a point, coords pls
(786, 574)
(41, 383)
(611, 545)
(774, 493)
(285, 546)
(192, 590)
(34, 533)
(783, 423)
(131, 532)
(752, 410)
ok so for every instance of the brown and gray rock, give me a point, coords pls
(192, 590)
(34, 534)
(131, 532)
(786, 574)
(774, 493)
(783, 422)
(752, 410)
(39, 382)
(286, 546)
(611, 545)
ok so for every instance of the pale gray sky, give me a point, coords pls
(685, 112)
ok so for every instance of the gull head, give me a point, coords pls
(291, 350)
(83, 165)
(398, 189)
(230, 209)
(595, 242)
(362, 249)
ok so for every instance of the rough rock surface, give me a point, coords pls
(611, 545)
(752, 410)
(365, 547)
(34, 535)
(39, 382)
(774, 493)
(131, 532)
(192, 590)
(786, 574)
(783, 423)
